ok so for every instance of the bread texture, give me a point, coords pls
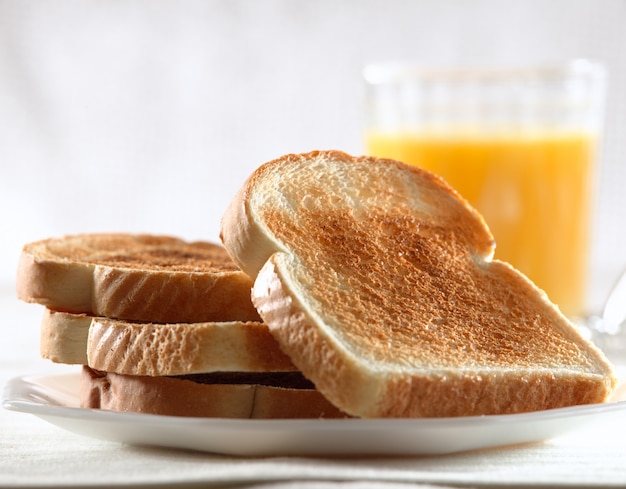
(135, 277)
(378, 280)
(63, 337)
(183, 397)
(148, 349)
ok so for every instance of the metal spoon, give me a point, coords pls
(608, 331)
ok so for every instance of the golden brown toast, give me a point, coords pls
(377, 280)
(221, 368)
(135, 277)
(134, 348)
(180, 396)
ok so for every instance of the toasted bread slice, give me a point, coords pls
(377, 280)
(160, 349)
(135, 277)
(184, 397)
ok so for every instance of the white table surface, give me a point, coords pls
(34, 453)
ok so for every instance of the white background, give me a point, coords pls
(146, 116)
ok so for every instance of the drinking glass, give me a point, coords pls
(519, 144)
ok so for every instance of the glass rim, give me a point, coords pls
(390, 72)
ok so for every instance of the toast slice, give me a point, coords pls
(135, 277)
(148, 349)
(377, 280)
(181, 396)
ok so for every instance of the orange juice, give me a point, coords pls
(533, 191)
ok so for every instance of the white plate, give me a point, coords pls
(55, 399)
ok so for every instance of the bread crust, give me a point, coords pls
(149, 349)
(377, 279)
(310, 347)
(179, 349)
(135, 277)
(179, 397)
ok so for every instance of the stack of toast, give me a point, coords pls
(161, 326)
(343, 286)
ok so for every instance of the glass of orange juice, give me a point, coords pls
(519, 144)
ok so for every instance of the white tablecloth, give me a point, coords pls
(34, 453)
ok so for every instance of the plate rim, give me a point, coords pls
(284, 437)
